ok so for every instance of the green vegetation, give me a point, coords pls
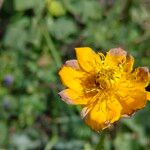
(36, 37)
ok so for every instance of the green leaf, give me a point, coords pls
(126, 142)
(3, 133)
(137, 129)
(23, 142)
(16, 35)
(62, 28)
(85, 9)
(21, 5)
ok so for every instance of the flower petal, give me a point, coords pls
(134, 100)
(115, 108)
(73, 98)
(71, 78)
(142, 76)
(148, 95)
(87, 58)
(72, 63)
(97, 117)
(128, 66)
(85, 110)
(115, 56)
(104, 114)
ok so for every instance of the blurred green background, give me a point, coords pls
(36, 37)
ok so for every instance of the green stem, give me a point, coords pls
(100, 145)
(52, 48)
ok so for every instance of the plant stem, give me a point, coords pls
(52, 47)
(100, 145)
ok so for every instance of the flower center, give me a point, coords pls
(106, 77)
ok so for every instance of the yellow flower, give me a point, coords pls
(106, 87)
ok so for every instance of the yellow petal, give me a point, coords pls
(137, 100)
(148, 95)
(134, 100)
(74, 98)
(97, 117)
(115, 57)
(103, 114)
(128, 66)
(71, 78)
(115, 109)
(142, 76)
(87, 59)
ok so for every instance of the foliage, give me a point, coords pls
(36, 37)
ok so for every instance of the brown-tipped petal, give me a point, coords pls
(117, 52)
(73, 98)
(65, 97)
(72, 63)
(115, 56)
(128, 115)
(128, 66)
(84, 112)
(142, 75)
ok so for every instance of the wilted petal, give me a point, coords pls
(84, 112)
(128, 66)
(115, 57)
(65, 97)
(142, 76)
(72, 63)
(74, 98)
